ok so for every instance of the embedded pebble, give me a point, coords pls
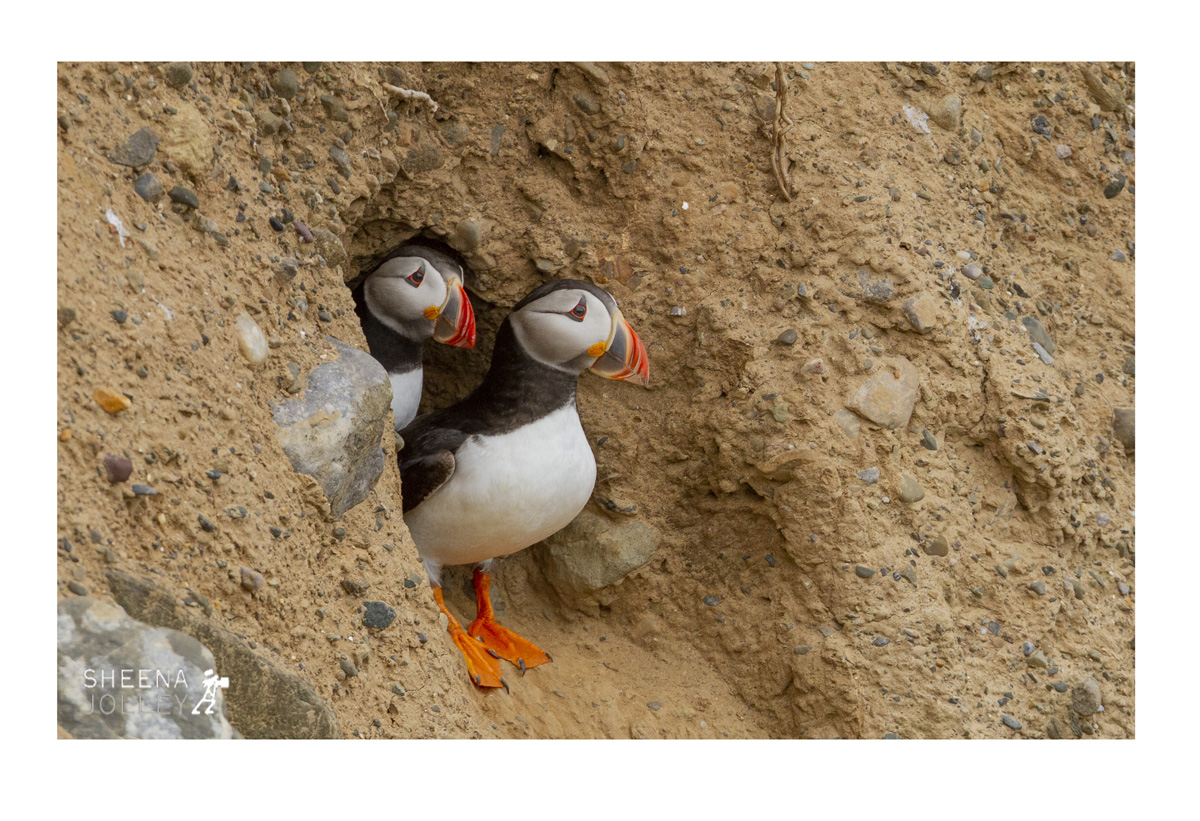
(148, 187)
(870, 475)
(110, 400)
(803, 649)
(880, 641)
(136, 151)
(1010, 722)
(972, 272)
(335, 109)
(1115, 186)
(938, 547)
(143, 490)
(1124, 427)
(1085, 697)
(205, 524)
(252, 343)
(177, 74)
(909, 490)
(1062, 151)
(117, 468)
(927, 440)
(184, 196)
(286, 84)
(1038, 587)
(377, 615)
(1043, 354)
(251, 579)
(863, 572)
(788, 337)
(711, 601)
(1027, 648)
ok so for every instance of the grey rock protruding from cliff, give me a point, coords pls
(333, 432)
(121, 678)
(264, 699)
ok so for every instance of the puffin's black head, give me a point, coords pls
(420, 299)
(574, 326)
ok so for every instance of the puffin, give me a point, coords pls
(510, 465)
(416, 294)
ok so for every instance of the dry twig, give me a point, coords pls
(778, 131)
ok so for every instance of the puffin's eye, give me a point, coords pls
(579, 311)
(416, 277)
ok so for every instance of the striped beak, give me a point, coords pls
(455, 318)
(624, 355)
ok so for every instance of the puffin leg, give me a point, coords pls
(482, 666)
(502, 641)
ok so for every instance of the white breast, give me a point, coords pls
(406, 395)
(507, 492)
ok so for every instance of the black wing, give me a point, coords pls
(427, 460)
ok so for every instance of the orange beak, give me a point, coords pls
(624, 355)
(456, 319)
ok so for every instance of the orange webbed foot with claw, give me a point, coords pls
(500, 640)
(482, 665)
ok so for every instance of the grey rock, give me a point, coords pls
(1116, 185)
(593, 553)
(1038, 587)
(335, 109)
(938, 546)
(1123, 426)
(870, 475)
(873, 289)
(148, 187)
(177, 75)
(184, 196)
(984, 73)
(1037, 333)
(1041, 125)
(341, 158)
(422, 158)
(251, 579)
(1129, 367)
(909, 490)
(286, 84)
(1042, 353)
(880, 641)
(120, 678)
(333, 432)
(263, 700)
(587, 103)
(1117, 255)
(887, 398)
(972, 272)
(1010, 722)
(468, 234)
(497, 139)
(711, 601)
(1085, 697)
(377, 615)
(594, 73)
(863, 572)
(927, 440)
(136, 151)
(1027, 648)
(788, 337)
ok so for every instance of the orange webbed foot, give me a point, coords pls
(508, 645)
(482, 666)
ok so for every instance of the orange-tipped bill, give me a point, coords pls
(455, 319)
(624, 355)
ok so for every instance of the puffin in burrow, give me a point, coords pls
(416, 294)
(510, 465)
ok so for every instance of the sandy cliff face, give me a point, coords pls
(870, 504)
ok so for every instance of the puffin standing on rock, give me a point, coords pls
(415, 295)
(510, 464)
